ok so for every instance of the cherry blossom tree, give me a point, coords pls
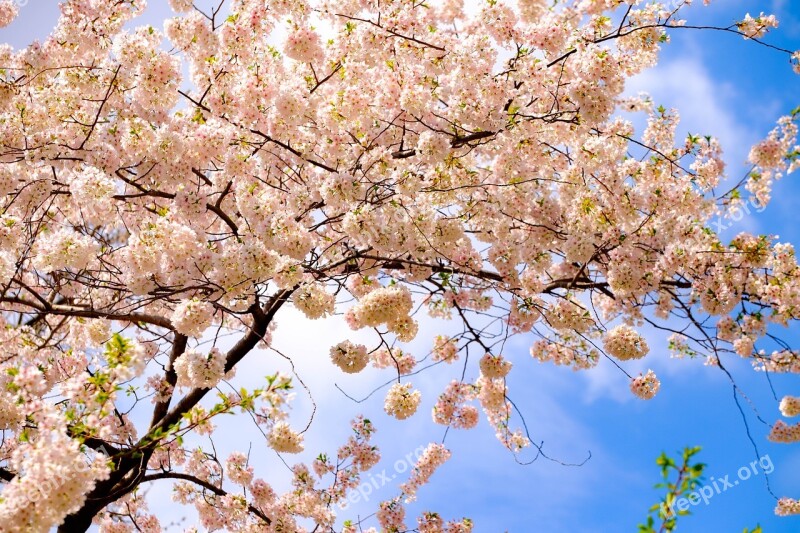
(163, 190)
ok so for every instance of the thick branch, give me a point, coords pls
(130, 470)
(178, 347)
(206, 485)
(456, 142)
(6, 474)
(47, 308)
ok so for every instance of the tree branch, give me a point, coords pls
(206, 485)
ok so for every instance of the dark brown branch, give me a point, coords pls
(6, 474)
(85, 312)
(206, 485)
(178, 347)
(100, 109)
(456, 142)
(294, 151)
(131, 465)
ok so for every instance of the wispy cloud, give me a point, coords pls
(706, 105)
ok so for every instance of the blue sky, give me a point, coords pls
(723, 86)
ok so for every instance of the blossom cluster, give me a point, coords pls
(313, 300)
(192, 317)
(391, 515)
(494, 366)
(451, 408)
(388, 306)
(445, 349)
(57, 477)
(645, 387)
(787, 507)
(402, 362)
(625, 343)
(756, 27)
(196, 369)
(8, 12)
(434, 456)
(401, 402)
(351, 358)
(430, 522)
(283, 439)
(782, 432)
(790, 406)
(303, 45)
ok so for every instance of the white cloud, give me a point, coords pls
(705, 104)
(709, 106)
